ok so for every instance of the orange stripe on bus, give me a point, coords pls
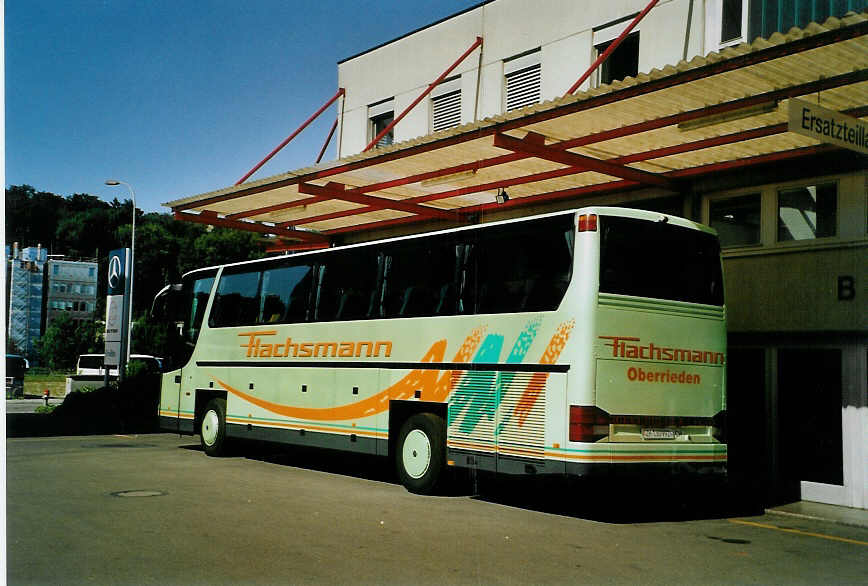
(432, 387)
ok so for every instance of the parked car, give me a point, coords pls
(16, 366)
(94, 363)
(90, 370)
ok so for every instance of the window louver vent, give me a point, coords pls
(446, 110)
(523, 88)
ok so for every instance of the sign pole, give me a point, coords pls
(117, 312)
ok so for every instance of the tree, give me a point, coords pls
(64, 340)
(221, 245)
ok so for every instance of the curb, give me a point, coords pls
(826, 519)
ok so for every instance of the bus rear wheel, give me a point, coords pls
(420, 455)
(212, 431)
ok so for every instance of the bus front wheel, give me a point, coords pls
(420, 455)
(212, 432)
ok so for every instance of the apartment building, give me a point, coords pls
(24, 313)
(69, 289)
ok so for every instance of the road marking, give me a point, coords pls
(798, 532)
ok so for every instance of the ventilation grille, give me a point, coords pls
(523, 88)
(498, 412)
(446, 110)
(521, 428)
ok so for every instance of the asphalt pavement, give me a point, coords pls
(154, 509)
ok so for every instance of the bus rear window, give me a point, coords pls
(660, 261)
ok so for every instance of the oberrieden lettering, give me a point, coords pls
(257, 347)
(682, 377)
(626, 347)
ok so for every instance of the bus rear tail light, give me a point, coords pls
(588, 424)
(588, 223)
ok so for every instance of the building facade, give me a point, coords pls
(533, 52)
(793, 236)
(25, 269)
(69, 289)
(687, 116)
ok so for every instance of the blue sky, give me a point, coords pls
(179, 97)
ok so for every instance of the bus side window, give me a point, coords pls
(199, 294)
(524, 267)
(347, 281)
(237, 300)
(420, 280)
(465, 280)
(284, 296)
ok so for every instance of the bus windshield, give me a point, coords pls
(659, 260)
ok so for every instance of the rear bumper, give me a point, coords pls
(647, 470)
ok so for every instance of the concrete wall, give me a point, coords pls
(563, 30)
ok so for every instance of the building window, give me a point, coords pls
(380, 115)
(622, 62)
(725, 23)
(522, 79)
(91, 272)
(446, 105)
(736, 219)
(731, 21)
(806, 213)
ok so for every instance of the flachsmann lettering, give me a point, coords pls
(628, 347)
(257, 347)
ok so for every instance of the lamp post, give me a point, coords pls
(113, 182)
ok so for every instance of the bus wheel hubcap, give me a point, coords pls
(210, 424)
(416, 453)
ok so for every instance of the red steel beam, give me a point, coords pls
(632, 158)
(212, 219)
(597, 189)
(623, 131)
(611, 48)
(754, 160)
(304, 125)
(327, 141)
(553, 174)
(295, 247)
(337, 191)
(277, 207)
(427, 91)
(603, 188)
(533, 148)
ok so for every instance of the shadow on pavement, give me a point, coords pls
(638, 500)
(132, 408)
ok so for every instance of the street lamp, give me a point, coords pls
(113, 183)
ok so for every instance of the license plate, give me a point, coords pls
(659, 434)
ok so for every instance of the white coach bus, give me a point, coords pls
(574, 343)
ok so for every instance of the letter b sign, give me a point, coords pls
(846, 288)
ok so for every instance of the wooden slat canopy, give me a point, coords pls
(721, 111)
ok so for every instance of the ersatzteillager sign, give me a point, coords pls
(828, 125)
